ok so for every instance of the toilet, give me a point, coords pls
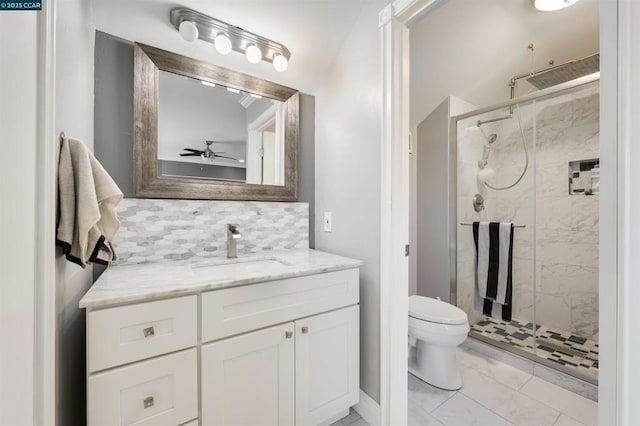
(437, 328)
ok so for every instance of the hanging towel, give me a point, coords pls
(87, 200)
(494, 253)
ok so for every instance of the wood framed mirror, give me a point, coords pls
(206, 132)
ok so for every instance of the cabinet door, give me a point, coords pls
(249, 379)
(327, 365)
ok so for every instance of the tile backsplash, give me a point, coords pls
(156, 230)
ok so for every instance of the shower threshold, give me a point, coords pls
(558, 349)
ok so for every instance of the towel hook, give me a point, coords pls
(62, 137)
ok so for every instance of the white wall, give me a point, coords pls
(471, 49)
(74, 115)
(348, 112)
(18, 121)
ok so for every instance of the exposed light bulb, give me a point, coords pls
(222, 43)
(253, 54)
(549, 5)
(280, 63)
(188, 30)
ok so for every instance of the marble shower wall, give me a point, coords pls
(563, 256)
(156, 230)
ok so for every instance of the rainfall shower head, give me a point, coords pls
(567, 72)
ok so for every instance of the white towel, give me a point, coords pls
(87, 201)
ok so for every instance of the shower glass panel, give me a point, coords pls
(507, 147)
(550, 192)
(567, 188)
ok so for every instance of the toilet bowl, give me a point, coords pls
(437, 329)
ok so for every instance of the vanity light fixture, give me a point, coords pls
(550, 5)
(253, 54)
(188, 30)
(225, 37)
(222, 43)
(280, 63)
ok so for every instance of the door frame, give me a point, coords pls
(619, 233)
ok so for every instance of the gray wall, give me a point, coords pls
(113, 111)
(348, 111)
(433, 221)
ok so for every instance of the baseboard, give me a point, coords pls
(368, 409)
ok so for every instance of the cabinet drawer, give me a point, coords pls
(159, 392)
(240, 309)
(125, 334)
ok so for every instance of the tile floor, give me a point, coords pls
(562, 347)
(494, 394)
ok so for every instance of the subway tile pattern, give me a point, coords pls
(158, 230)
(559, 346)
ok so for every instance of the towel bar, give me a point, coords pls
(515, 226)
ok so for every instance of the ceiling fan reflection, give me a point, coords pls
(207, 153)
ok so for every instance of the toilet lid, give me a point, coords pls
(433, 310)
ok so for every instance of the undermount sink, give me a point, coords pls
(239, 266)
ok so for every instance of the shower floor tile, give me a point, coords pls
(558, 346)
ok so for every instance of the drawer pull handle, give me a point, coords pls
(148, 402)
(149, 332)
(305, 330)
(288, 334)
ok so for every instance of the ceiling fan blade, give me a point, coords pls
(192, 150)
(224, 156)
(191, 154)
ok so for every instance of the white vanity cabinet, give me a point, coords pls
(282, 352)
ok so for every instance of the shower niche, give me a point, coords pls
(584, 177)
(540, 172)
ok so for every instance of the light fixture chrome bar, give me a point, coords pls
(209, 28)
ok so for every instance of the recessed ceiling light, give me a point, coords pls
(232, 90)
(253, 95)
(208, 83)
(549, 5)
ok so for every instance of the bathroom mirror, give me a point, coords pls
(206, 132)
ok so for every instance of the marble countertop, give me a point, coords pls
(147, 281)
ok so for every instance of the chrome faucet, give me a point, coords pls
(233, 235)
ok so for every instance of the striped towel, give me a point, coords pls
(494, 253)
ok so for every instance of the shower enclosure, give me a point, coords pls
(533, 161)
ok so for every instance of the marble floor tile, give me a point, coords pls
(499, 371)
(484, 390)
(425, 396)
(416, 416)
(349, 420)
(524, 410)
(575, 406)
(565, 420)
(460, 410)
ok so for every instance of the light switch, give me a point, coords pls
(327, 221)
